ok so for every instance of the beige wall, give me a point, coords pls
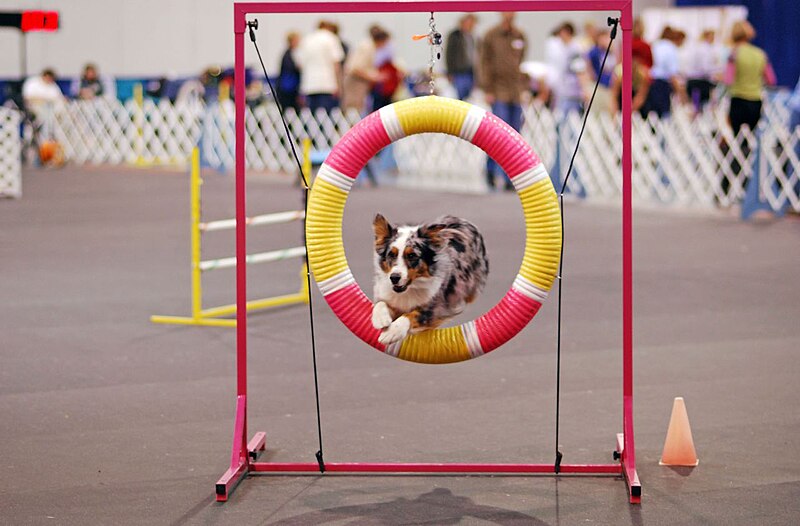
(181, 37)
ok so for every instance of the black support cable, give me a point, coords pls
(613, 22)
(252, 26)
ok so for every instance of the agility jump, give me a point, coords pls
(326, 256)
(214, 316)
(539, 204)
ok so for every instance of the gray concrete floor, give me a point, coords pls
(109, 419)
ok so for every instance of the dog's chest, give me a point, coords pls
(413, 297)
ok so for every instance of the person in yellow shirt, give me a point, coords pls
(747, 72)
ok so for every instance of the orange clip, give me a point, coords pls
(420, 37)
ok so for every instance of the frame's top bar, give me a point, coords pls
(439, 6)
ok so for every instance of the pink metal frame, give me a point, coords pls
(244, 454)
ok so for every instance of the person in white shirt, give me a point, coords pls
(319, 56)
(42, 89)
(702, 68)
(568, 69)
(665, 73)
(40, 93)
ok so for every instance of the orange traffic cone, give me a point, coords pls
(679, 446)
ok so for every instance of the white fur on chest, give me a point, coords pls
(421, 292)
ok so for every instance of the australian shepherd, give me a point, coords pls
(425, 274)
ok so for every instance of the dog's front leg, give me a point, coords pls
(396, 331)
(381, 315)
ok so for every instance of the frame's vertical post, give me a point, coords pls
(240, 457)
(241, 214)
(627, 452)
(194, 197)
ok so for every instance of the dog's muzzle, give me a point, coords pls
(395, 279)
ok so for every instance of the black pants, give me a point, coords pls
(288, 99)
(744, 112)
(699, 91)
(658, 98)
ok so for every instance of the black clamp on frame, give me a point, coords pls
(612, 22)
(252, 25)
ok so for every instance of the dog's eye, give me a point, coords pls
(412, 259)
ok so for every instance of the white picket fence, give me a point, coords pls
(10, 154)
(162, 133)
(684, 160)
(681, 161)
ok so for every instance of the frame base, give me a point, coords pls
(231, 478)
(248, 464)
(629, 471)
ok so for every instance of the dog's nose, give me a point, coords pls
(394, 278)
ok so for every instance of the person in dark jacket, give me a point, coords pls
(460, 55)
(289, 77)
(90, 85)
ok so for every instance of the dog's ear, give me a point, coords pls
(383, 230)
(433, 233)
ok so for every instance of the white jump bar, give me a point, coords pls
(262, 257)
(266, 219)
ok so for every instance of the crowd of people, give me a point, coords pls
(320, 71)
(672, 69)
(42, 88)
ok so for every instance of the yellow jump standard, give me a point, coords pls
(215, 316)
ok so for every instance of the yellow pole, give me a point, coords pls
(304, 283)
(194, 198)
(138, 98)
(223, 95)
(307, 160)
(307, 173)
(224, 92)
(209, 317)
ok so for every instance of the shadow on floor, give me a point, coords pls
(438, 507)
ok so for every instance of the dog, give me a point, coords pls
(425, 274)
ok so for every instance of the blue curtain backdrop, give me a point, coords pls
(777, 23)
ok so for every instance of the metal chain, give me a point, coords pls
(435, 44)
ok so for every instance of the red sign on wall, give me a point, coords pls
(39, 21)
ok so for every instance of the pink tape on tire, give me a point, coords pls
(364, 140)
(503, 144)
(352, 306)
(505, 320)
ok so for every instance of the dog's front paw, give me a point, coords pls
(396, 331)
(381, 316)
